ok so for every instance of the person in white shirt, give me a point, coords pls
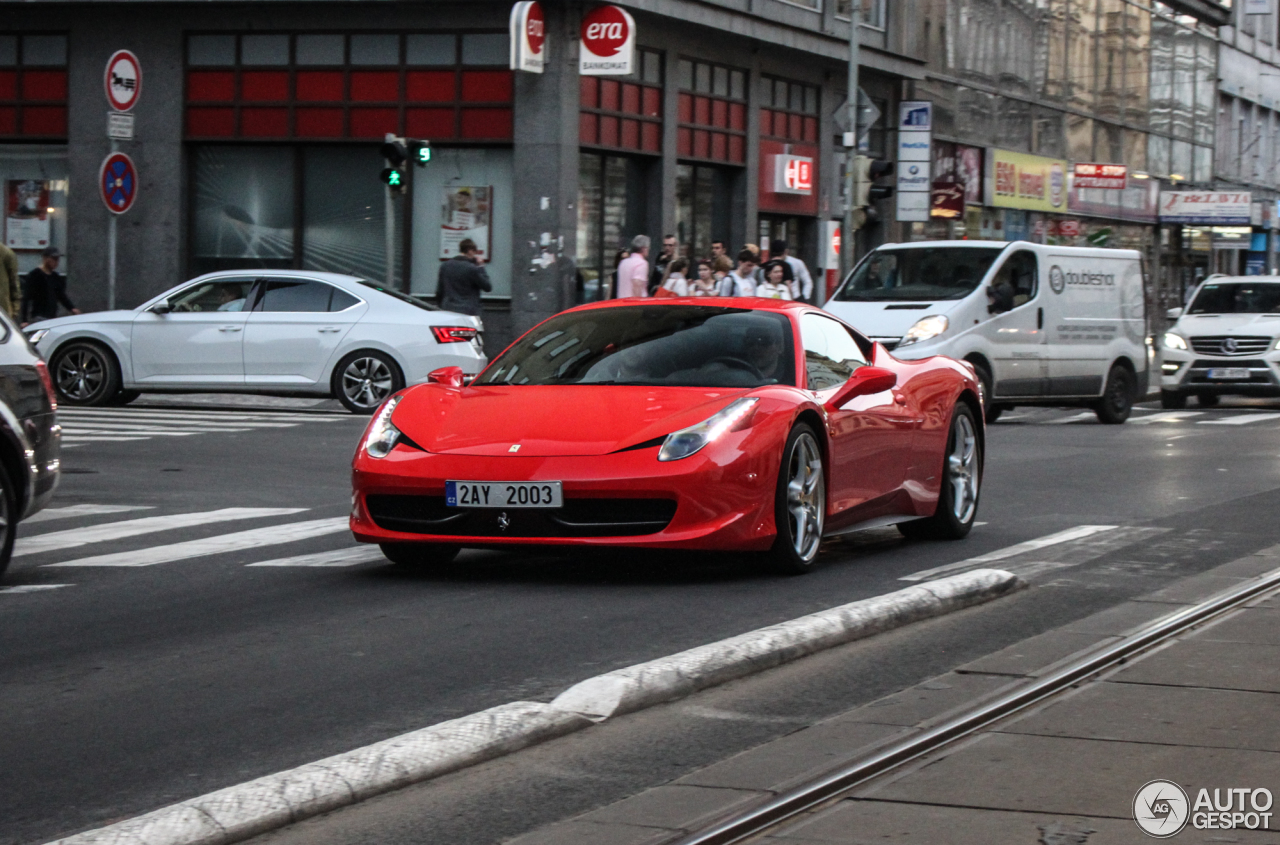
(777, 281)
(705, 283)
(675, 282)
(633, 272)
(741, 282)
(802, 282)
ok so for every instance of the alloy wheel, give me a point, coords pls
(962, 469)
(80, 374)
(806, 497)
(367, 381)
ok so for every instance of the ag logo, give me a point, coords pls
(1160, 808)
(1057, 280)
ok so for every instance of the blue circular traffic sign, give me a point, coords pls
(118, 181)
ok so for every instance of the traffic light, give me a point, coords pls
(879, 168)
(420, 152)
(396, 153)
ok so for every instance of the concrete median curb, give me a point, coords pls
(274, 801)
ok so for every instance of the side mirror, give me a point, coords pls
(446, 376)
(160, 308)
(1173, 313)
(863, 382)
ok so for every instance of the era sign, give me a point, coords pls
(792, 175)
(608, 42)
(528, 37)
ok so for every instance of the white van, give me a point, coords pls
(1042, 325)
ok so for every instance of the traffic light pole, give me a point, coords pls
(851, 152)
(391, 238)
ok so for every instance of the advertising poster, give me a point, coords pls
(26, 214)
(467, 213)
(1027, 182)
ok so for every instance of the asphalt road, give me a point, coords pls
(132, 686)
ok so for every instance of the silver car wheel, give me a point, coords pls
(806, 497)
(367, 381)
(80, 374)
(962, 469)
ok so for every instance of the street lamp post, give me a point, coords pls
(846, 239)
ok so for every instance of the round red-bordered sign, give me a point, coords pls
(123, 80)
(118, 182)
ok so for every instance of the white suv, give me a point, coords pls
(1223, 342)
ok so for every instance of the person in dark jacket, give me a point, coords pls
(461, 280)
(43, 289)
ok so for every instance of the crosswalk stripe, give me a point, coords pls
(141, 435)
(147, 430)
(116, 422)
(1166, 416)
(337, 557)
(202, 415)
(71, 511)
(73, 440)
(235, 542)
(1077, 533)
(32, 588)
(1243, 419)
(73, 537)
(1083, 415)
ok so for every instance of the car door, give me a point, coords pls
(1014, 328)
(295, 326)
(871, 436)
(196, 337)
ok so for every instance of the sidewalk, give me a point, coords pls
(1202, 711)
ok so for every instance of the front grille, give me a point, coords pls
(1242, 345)
(578, 517)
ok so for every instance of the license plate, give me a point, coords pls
(503, 494)
(1227, 373)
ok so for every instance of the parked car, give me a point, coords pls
(1224, 342)
(30, 438)
(1042, 325)
(282, 332)
(751, 425)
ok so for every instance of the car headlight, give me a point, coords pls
(687, 441)
(1173, 341)
(382, 435)
(37, 336)
(926, 328)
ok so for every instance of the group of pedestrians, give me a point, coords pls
(36, 295)
(782, 276)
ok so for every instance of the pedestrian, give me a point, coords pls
(759, 274)
(462, 279)
(705, 283)
(717, 251)
(664, 259)
(43, 289)
(802, 286)
(675, 283)
(10, 284)
(777, 280)
(633, 272)
(613, 276)
(721, 267)
(741, 282)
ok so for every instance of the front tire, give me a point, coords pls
(1117, 397)
(800, 503)
(961, 484)
(85, 374)
(419, 556)
(8, 518)
(362, 381)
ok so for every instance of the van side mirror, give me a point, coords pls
(863, 382)
(446, 377)
(1173, 313)
(161, 308)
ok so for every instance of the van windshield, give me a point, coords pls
(1237, 298)
(918, 274)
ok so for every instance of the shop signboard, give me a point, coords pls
(948, 200)
(607, 43)
(26, 214)
(915, 158)
(1113, 177)
(792, 174)
(1208, 208)
(1139, 201)
(528, 30)
(466, 213)
(1019, 180)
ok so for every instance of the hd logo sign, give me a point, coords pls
(1162, 809)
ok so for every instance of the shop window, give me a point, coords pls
(244, 208)
(788, 111)
(33, 182)
(612, 209)
(711, 112)
(33, 86)
(702, 207)
(330, 86)
(624, 112)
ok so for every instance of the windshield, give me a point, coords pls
(680, 345)
(403, 297)
(1237, 298)
(926, 273)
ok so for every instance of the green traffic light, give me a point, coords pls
(424, 155)
(395, 179)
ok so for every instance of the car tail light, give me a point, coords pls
(454, 334)
(47, 381)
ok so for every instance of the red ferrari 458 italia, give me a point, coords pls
(728, 424)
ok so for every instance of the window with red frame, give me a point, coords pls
(712, 113)
(328, 86)
(624, 112)
(788, 111)
(33, 86)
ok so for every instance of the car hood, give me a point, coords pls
(79, 319)
(887, 319)
(1199, 325)
(550, 420)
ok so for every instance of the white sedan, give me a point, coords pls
(283, 332)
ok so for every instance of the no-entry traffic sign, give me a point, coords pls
(123, 80)
(118, 182)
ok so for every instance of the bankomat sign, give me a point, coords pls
(792, 175)
(608, 42)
